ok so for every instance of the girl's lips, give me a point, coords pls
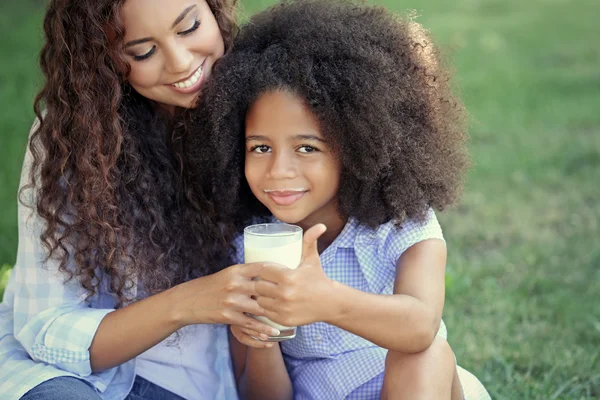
(285, 198)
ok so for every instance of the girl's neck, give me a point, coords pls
(334, 222)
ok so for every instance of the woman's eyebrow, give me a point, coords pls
(137, 41)
(182, 15)
(177, 20)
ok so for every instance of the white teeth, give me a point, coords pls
(190, 82)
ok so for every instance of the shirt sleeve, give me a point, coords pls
(238, 243)
(411, 232)
(52, 319)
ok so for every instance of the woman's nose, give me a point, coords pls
(179, 59)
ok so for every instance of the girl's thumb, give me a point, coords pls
(309, 245)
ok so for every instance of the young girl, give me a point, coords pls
(111, 258)
(342, 120)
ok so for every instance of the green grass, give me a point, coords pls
(20, 40)
(524, 263)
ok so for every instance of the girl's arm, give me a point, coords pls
(259, 368)
(406, 321)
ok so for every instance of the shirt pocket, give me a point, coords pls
(311, 341)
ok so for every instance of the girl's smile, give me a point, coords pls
(285, 197)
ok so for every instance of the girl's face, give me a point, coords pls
(172, 46)
(290, 166)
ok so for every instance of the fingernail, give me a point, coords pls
(269, 345)
(275, 332)
(263, 336)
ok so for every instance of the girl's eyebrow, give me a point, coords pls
(297, 137)
(257, 137)
(309, 137)
(177, 20)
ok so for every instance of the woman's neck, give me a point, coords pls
(166, 110)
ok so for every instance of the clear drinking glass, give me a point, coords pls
(280, 243)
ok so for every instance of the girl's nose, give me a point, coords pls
(282, 167)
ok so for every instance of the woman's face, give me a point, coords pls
(172, 46)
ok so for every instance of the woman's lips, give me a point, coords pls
(285, 197)
(194, 87)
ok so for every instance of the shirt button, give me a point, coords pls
(318, 338)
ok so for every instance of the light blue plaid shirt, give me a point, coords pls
(47, 327)
(324, 361)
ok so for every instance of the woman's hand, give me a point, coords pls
(294, 297)
(246, 337)
(223, 298)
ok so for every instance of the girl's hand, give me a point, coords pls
(223, 298)
(246, 336)
(297, 297)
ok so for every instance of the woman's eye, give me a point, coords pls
(260, 149)
(192, 29)
(145, 55)
(307, 149)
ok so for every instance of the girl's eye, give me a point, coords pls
(191, 30)
(260, 149)
(307, 149)
(146, 55)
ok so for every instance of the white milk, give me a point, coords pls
(258, 249)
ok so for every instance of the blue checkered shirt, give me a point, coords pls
(47, 327)
(324, 361)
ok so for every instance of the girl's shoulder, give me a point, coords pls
(392, 238)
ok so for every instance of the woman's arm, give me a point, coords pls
(55, 325)
(259, 368)
(221, 298)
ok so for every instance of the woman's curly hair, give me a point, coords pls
(378, 89)
(106, 173)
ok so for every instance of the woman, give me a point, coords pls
(111, 259)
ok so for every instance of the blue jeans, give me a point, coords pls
(69, 388)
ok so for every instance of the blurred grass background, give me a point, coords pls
(523, 272)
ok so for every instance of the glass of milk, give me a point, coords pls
(280, 243)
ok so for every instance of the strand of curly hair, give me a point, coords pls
(105, 172)
(378, 88)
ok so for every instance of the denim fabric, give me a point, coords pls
(69, 388)
(145, 390)
(62, 388)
